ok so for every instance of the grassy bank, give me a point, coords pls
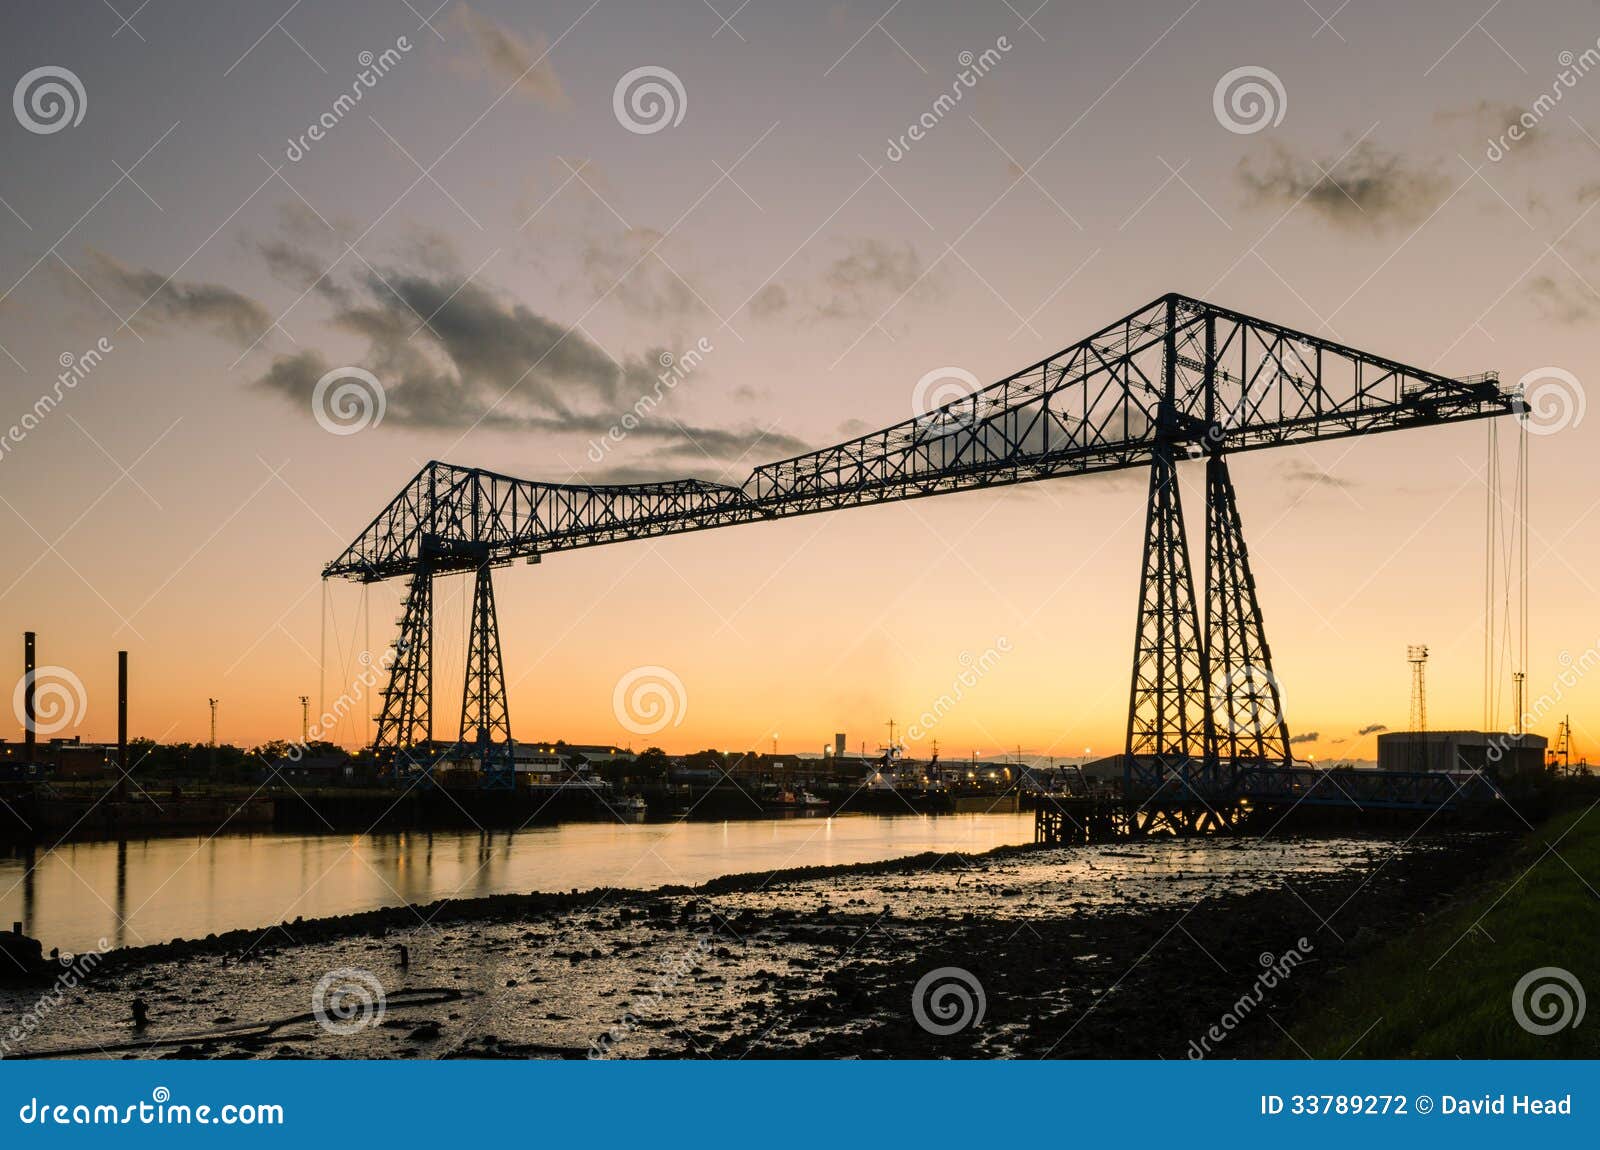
(1444, 988)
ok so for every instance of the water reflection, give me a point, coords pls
(152, 890)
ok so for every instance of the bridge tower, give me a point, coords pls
(1247, 707)
(484, 713)
(1169, 718)
(405, 726)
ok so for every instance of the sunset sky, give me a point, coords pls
(484, 233)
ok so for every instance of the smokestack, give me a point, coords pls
(122, 726)
(27, 696)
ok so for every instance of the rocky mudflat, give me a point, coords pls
(1130, 950)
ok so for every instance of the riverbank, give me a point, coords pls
(1125, 950)
(1448, 984)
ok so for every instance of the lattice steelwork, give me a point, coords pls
(1247, 706)
(406, 722)
(484, 714)
(1169, 715)
(1179, 377)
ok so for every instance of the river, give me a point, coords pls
(142, 891)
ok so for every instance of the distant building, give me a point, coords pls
(69, 756)
(1492, 751)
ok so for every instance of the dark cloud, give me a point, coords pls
(454, 357)
(513, 59)
(1308, 737)
(164, 299)
(1369, 189)
(1299, 472)
(300, 268)
(1372, 729)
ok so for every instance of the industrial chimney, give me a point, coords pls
(122, 726)
(28, 740)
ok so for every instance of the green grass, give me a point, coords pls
(1444, 988)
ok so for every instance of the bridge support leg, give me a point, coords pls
(405, 727)
(1247, 708)
(1169, 718)
(484, 714)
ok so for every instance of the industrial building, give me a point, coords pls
(1494, 752)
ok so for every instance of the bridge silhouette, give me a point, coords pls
(1178, 379)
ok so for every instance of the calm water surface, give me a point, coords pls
(154, 890)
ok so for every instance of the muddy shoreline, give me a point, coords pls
(1130, 952)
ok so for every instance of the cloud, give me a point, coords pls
(869, 277)
(1308, 737)
(514, 60)
(1300, 473)
(1369, 189)
(624, 265)
(769, 301)
(456, 357)
(1561, 301)
(1372, 729)
(1490, 122)
(162, 299)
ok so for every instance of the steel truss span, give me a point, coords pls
(1176, 379)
